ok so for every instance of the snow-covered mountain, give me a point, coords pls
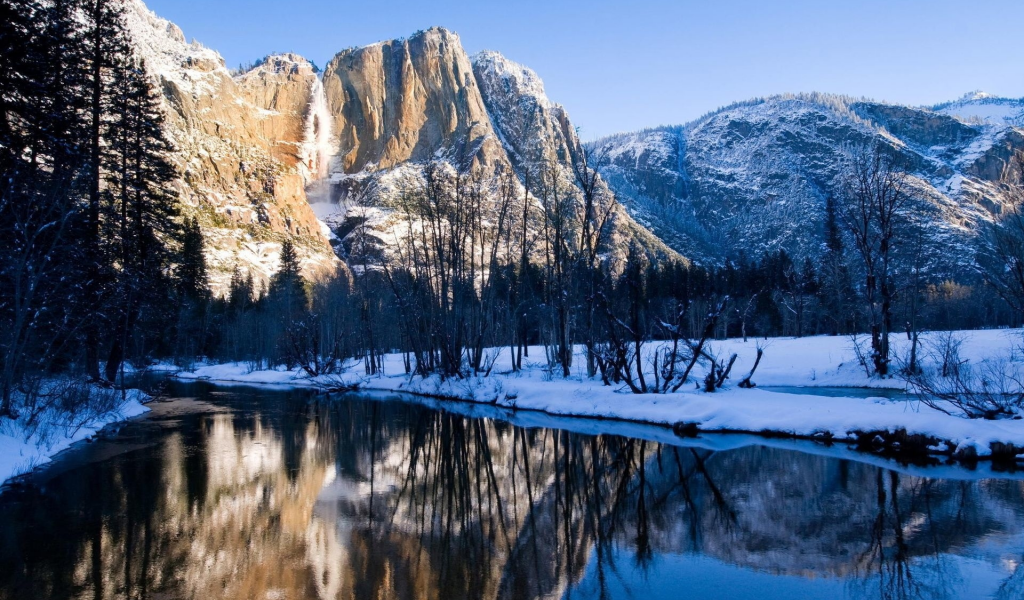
(400, 104)
(982, 108)
(754, 177)
(266, 152)
(240, 146)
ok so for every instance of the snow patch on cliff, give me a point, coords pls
(192, 66)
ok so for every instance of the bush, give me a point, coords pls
(991, 389)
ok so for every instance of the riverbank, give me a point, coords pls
(33, 440)
(883, 425)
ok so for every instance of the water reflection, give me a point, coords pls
(275, 495)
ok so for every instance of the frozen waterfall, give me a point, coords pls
(316, 143)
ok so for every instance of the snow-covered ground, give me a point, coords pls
(25, 445)
(804, 362)
(815, 361)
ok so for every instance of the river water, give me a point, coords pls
(248, 493)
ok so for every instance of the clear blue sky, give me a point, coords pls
(620, 66)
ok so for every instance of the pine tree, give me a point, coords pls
(42, 168)
(286, 305)
(192, 277)
(88, 230)
(241, 292)
(287, 287)
(140, 216)
(836, 288)
(194, 302)
(106, 48)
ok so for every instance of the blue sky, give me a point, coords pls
(620, 66)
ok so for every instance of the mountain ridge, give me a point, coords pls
(341, 145)
(753, 177)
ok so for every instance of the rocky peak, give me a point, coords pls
(397, 105)
(513, 78)
(406, 100)
(190, 66)
(533, 129)
(280, 88)
(281, 64)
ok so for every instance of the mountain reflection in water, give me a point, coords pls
(247, 493)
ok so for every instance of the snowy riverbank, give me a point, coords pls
(816, 361)
(27, 443)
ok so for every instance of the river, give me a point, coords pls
(256, 493)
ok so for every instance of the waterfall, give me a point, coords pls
(316, 150)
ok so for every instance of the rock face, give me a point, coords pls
(532, 127)
(400, 104)
(754, 177)
(404, 100)
(265, 152)
(257, 149)
(237, 145)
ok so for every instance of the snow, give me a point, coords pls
(985, 108)
(25, 446)
(816, 361)
(517, 80)
(746, 178)
(192, 67)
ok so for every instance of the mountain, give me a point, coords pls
(281, 151)
(402, 104)
(265, 152)
(239, 146)
(754, 177)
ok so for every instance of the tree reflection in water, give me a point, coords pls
(279, 495)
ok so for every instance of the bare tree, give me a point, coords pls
(1003, 262)
(876, 192)
(991, 389)
(561, 248)
(594, 225)
(447, 271)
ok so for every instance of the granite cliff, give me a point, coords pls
(238, 146)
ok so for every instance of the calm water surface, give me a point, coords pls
(839, 392)
(253, 494)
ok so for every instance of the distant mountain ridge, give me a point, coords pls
(753, 177)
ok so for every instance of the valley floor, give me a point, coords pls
(810, 387)
(822, 362)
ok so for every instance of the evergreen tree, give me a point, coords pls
(287, 287)
(241, 292)
(192, 277)
(140, 215)
(194, 303)
(42, 168)
(286, 308)
(836, 286)
(106, 50)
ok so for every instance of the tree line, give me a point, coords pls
(482, 265)
(91, 238)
